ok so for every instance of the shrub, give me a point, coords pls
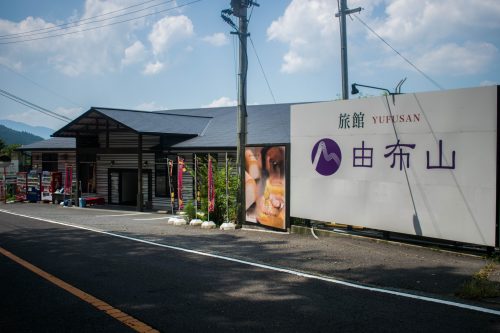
(220, 214)
(479, 287)
(190, 210)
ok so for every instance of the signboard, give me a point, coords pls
(265, 186)
(422, 164)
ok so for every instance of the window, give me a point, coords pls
(49, 161)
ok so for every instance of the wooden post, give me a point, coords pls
(140, 201)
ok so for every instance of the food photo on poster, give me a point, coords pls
(265, 186)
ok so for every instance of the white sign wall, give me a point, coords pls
(438, 180)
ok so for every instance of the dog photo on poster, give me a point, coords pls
(265, 185)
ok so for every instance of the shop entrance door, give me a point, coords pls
(122, 186)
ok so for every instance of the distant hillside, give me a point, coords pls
(44, 132)
(10, 136)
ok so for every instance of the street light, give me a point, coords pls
(397, 90)
(355, 90)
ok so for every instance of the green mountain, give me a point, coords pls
(10, 136)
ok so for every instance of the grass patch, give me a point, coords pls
(479, 286)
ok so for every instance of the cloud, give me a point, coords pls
(150, 106)
(86, 52)
(223, 101)
(134, 53)
(217, 39)
(153, 68)
(168, 31)
(35, 118)
(488, 83)
(470, 58)
(447, 38)
(69, 112)
(11, 63)
(409, 22)
(309, 30)
(421, 30)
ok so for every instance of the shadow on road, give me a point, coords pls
(175, 290)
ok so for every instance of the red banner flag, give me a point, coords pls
(211, 187)
(68, 180)
(180, 170)
(170, 167)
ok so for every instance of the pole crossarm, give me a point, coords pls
(349, 11)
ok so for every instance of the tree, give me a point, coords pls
(8, 150)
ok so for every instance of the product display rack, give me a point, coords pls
(46, 193)
(21, 186)
(33, 191)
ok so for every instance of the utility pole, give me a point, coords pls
(343, 11)
(239, 9)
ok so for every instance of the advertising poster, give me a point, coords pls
(265, 186)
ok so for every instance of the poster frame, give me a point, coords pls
(287, 186)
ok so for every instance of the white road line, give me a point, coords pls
(125, 214)
(153, 218)
(276, 269)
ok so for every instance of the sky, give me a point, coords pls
(180, 54)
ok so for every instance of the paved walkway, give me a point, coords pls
(364, 260)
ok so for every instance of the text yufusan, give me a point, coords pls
(399, 118)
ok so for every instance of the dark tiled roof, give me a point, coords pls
(151, 122)
(265, 124)
(209, 127)
(51, 144)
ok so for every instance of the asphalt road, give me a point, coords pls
(172, 290)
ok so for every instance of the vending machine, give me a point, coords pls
(33, 191)
(45, 190)
(22, 186)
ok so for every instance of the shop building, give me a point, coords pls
(121, 155)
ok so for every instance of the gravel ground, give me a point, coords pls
(360, 259)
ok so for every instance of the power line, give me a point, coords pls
(262, 70)
(53, 29)
(250, 16)
(398, 53)
(102, 26)
(77, 21)
(34, 106)
(41, 86)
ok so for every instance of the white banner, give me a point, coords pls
(422, 164)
